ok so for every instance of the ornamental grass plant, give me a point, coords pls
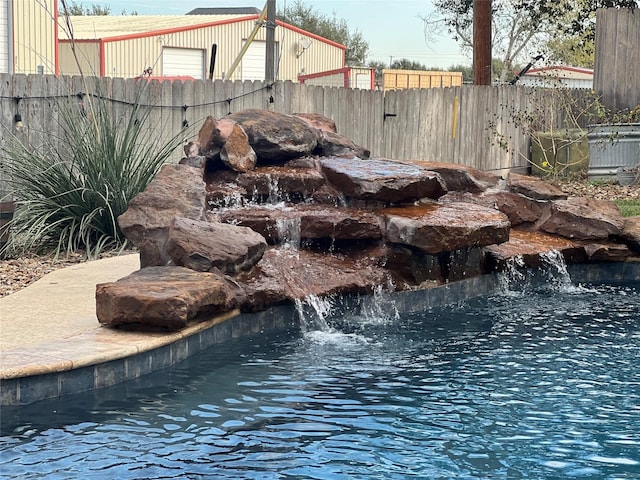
(70, 190)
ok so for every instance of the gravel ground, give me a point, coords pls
(20, 272)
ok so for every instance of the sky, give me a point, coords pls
(392, 29)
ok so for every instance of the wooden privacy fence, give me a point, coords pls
(617, 63)
(438, 124)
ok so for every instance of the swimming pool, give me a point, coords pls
(538, 383)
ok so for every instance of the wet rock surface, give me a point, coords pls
(583, 218)
(206, 246)
(166, 298)
(338, 224)
(176, 191)
(437, 228)
(382, 180)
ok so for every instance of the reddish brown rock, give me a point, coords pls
(631, 233)
(382, 180)
(519, 209)
(461, 177)
(192, 149)
(177, 190)
(534, 187)
(282, 183)
(213, 135)
(583, 219)
(531, 247)
(318, 121)
(276, 137)
(166, 298)
(205, 246)
(436, 228)
(309, 221)
(410, 266)
(236, 153)
(335, 145)
(285, 275)
(606, 252)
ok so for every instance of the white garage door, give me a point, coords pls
(254, 59)
(4, 36)
(183, 62)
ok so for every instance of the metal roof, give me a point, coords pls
(225, 11)
(91, 27)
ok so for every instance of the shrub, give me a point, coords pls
(70, 191)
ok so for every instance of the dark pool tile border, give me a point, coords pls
(30, 389)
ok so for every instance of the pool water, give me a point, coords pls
(541, 384)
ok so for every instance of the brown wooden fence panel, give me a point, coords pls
(616, 74)
(455, 124)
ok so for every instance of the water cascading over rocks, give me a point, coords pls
(267, 208)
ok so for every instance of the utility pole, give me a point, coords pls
(482, 42)
(270, 57)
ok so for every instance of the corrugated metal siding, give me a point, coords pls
(333, 80)
(4, 36)
(130, 57)
(88, 57)
(34, 31)
(319, 57)
(408, 79)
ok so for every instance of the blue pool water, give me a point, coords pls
(537, 385)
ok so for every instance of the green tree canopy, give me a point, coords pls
(74, 8)
(337, 30)
(524, 28)
(406, 64)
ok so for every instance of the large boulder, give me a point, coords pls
(318, 121)
(461, 177)
(534, 187)
(279, 183)
(207, 246)
(305, 222)
(286, 275)
(382, 180)
(177, 190)
(519, 208)
(212, 136)
(338, 224)
(583, 219)
(631, 233)
(236, 153)
(276, 137)
(332, 144)
(436, 228)
(531, 249)
(165, 298)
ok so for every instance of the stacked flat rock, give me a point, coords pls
(267, 208)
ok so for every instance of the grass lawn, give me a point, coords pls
(629, 208)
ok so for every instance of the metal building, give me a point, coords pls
(28, 36)
(558, 76)
(196, 45)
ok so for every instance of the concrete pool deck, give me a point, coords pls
(51, 327)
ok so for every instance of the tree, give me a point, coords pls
(573, 50)
(330, 27)
(378, 67)
(406, 64)
(467, 72)
(521, 28)
(74, 8)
